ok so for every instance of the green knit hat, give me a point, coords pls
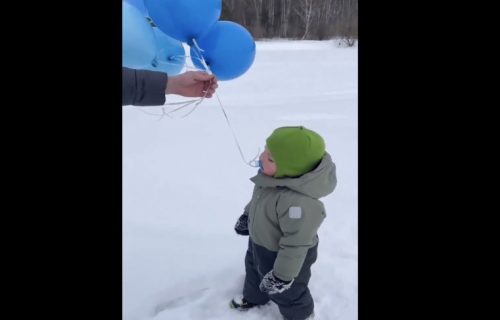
(295, 150)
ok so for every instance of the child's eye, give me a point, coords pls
(270, 160)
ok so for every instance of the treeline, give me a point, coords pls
(295, 19)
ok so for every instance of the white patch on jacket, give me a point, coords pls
(295, 212)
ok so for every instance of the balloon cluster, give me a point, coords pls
(153, 33)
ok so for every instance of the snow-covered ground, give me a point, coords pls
(185, 184)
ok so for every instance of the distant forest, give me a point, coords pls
(295, 19)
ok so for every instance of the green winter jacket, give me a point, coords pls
(284, 214)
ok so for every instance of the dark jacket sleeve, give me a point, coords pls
(143, 87)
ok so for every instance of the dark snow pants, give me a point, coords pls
(295, 303)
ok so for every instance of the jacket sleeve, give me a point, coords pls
(143, 87)
(299, 221)
(246, 210)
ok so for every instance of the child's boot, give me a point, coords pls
(241, 304)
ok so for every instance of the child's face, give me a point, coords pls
(267, 161)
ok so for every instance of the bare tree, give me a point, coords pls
(258, 28)
(270, 15)
(305, 12)
(285, 13)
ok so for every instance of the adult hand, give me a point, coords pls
(192, 84)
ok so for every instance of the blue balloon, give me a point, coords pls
(184, 19)
(170, 57)
(228, 49)
(138, 38)
(139, 4)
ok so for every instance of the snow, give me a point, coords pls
(185, 184)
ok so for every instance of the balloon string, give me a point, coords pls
(168, 114)
(199, 51)
(183, 104)
(251, 163)
(197, 103)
